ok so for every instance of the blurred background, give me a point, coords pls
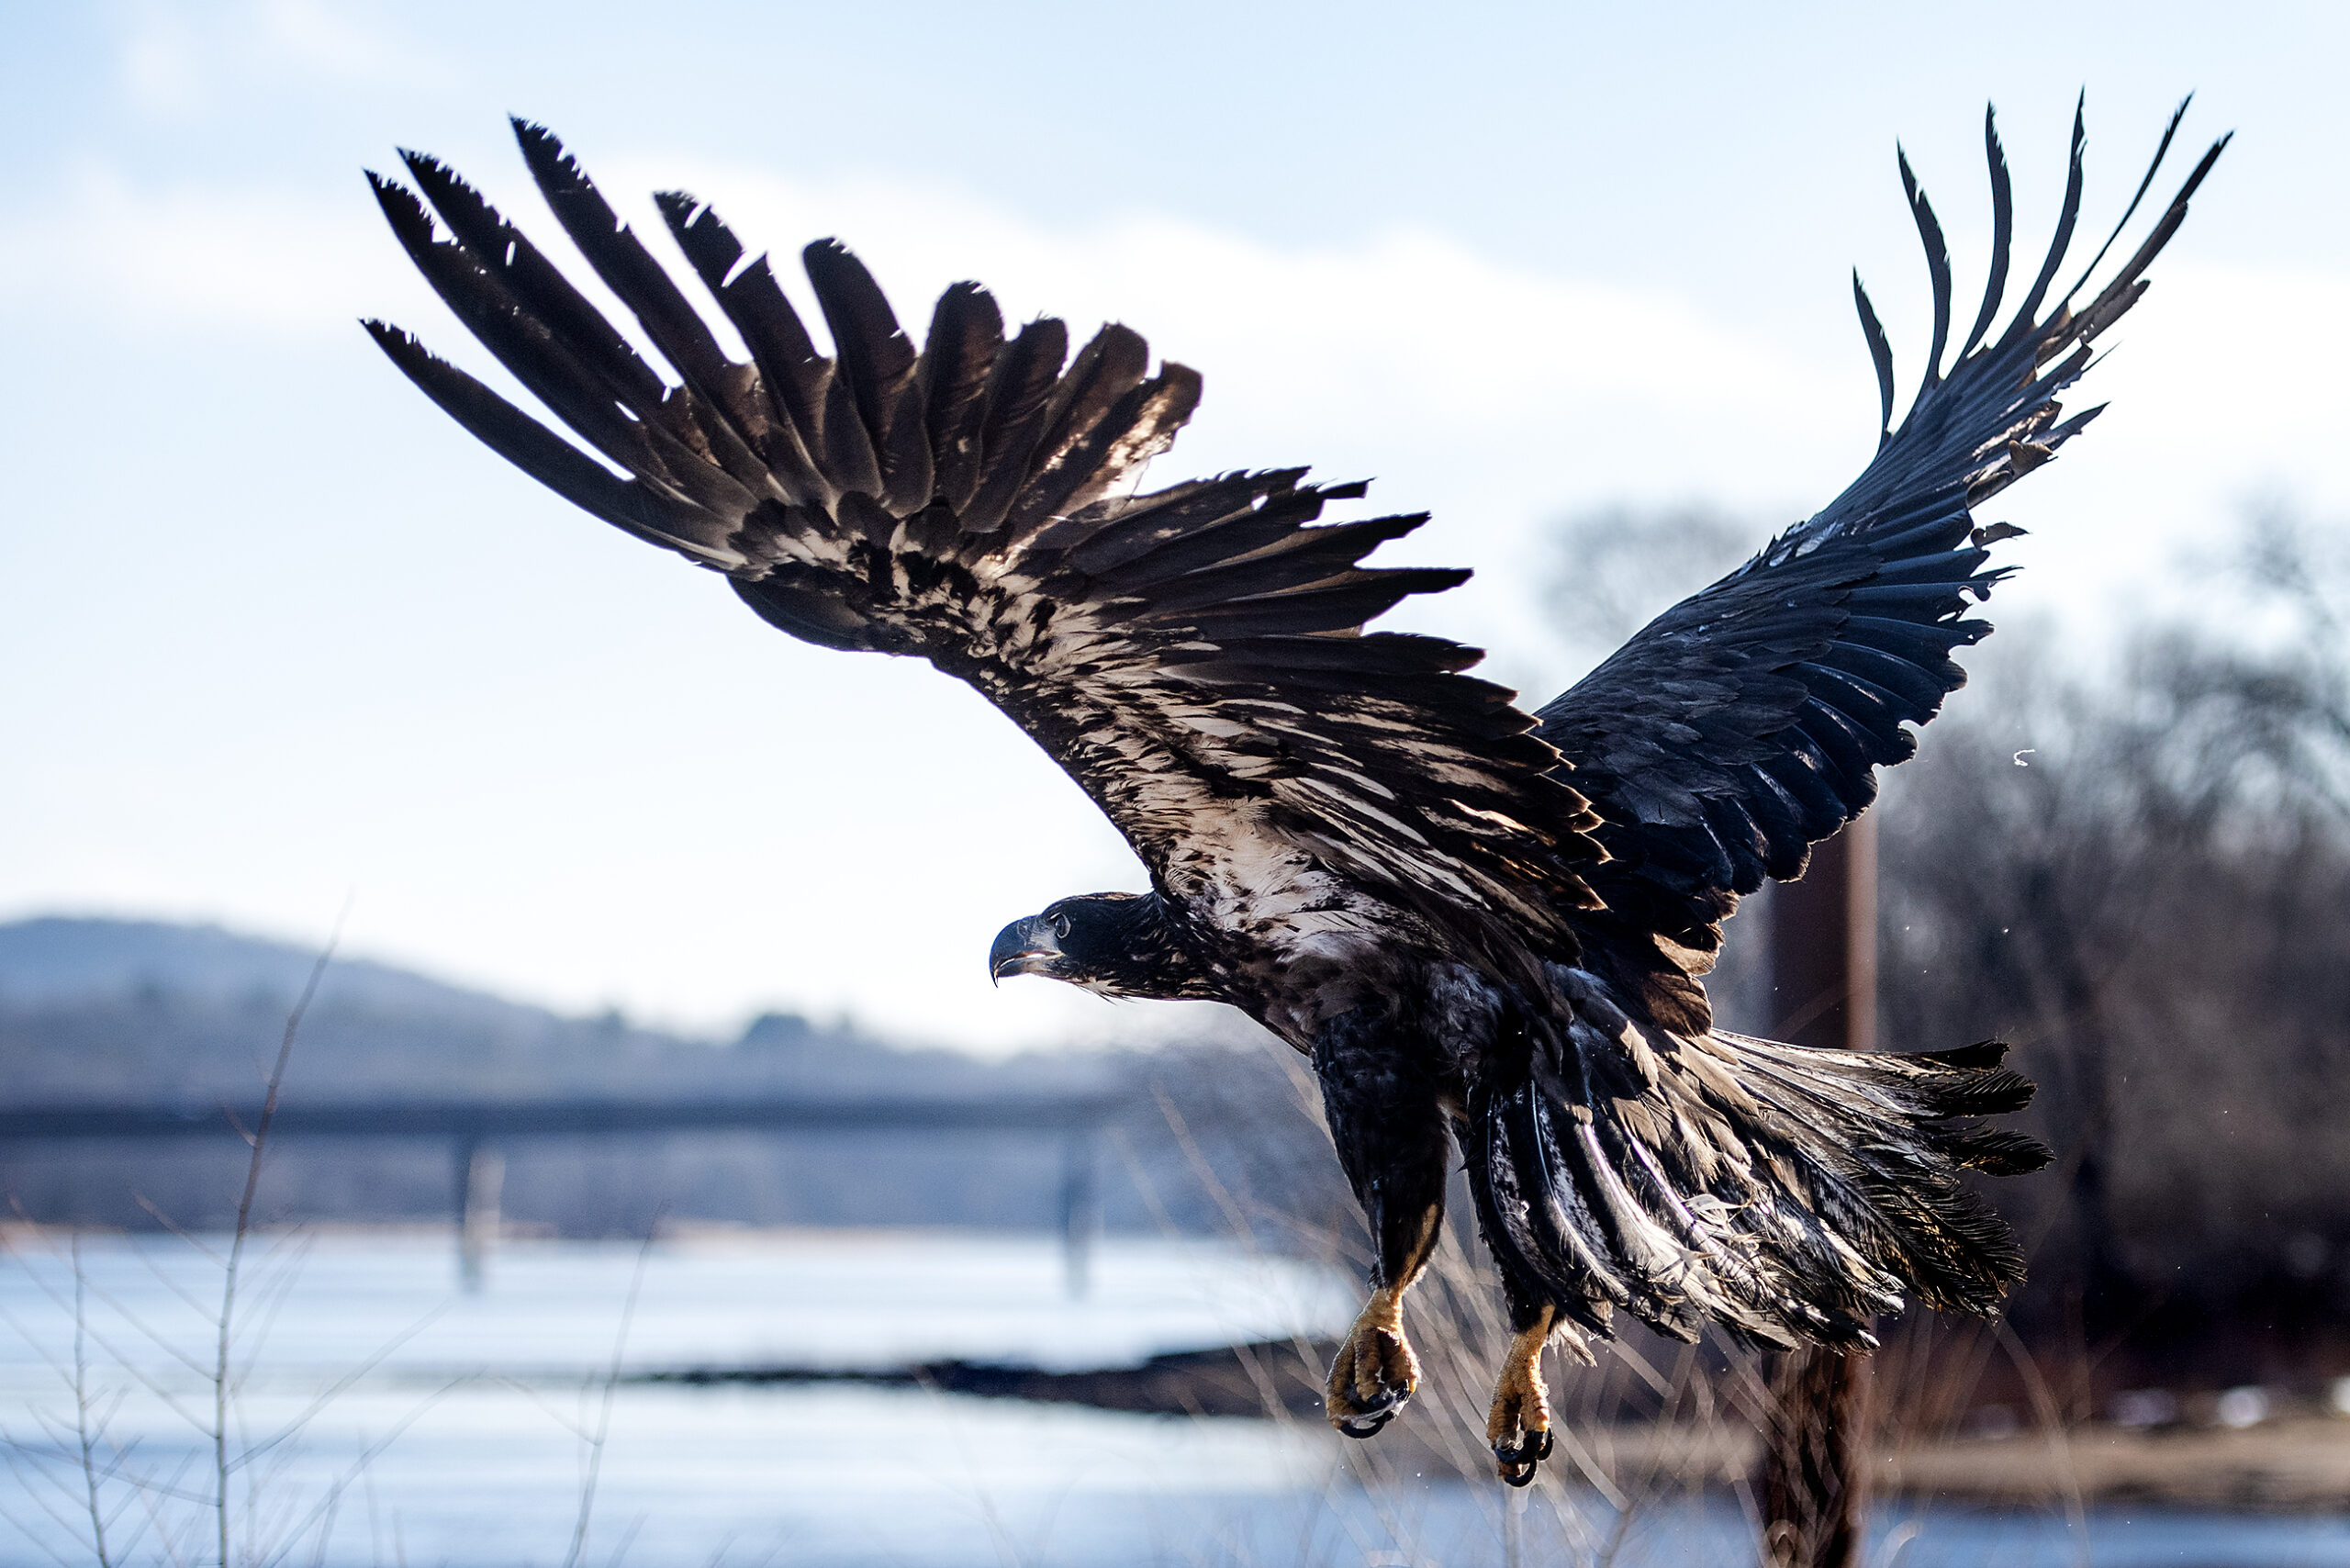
(287, 654)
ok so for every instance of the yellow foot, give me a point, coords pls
(1375, 1371)
(1519, 1424)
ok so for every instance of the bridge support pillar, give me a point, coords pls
(1081, 1215)
(481, 1176)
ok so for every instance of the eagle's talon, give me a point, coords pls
(1518, 1428)
(1374, 1372)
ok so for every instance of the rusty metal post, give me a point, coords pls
(1816, 1466)
(1823, 978)
(1823, 945)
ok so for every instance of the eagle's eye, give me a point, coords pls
(1060, 926)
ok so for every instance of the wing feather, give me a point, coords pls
(1079, 425)
(1020, 394)
(791, 373)
(965, 336)
(504, 252)
(1929, 235)
(2003, 228)
(2027, 316)
(877, 365)
(620, 258)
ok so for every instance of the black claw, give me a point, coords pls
(1519, 1461)
(1384, 1404)
(1359, 1427)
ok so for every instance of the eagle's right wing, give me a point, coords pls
(1194, 657)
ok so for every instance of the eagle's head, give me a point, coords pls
(1109, 943)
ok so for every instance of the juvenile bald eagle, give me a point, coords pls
(1486, 928)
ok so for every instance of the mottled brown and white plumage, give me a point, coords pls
(1488, 929)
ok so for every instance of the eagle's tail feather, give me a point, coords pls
(1784, 1193)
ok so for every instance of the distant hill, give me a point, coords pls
(142, 1009)
(56, 958)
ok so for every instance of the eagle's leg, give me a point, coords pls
(1518, 1426)
(1383, 1109)
(1375, 1371)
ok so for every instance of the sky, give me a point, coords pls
(279, 639)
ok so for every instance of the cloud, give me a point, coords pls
(160, 65)
(1469, 336)
(193, 259)
(176, 61)
(1489, 394)
(1412, 336)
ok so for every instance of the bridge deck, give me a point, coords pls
(474, 1128)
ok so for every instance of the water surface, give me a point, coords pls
(382, 1417)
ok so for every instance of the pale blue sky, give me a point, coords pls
(276, 632)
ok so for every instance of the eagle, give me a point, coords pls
(1488, 929)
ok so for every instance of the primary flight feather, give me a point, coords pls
(1488, 929)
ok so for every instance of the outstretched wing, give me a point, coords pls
(1748, 721)
(1194, 656)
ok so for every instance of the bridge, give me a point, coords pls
(477, 1132)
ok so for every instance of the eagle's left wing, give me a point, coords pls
(1194, 657)
(1748, 720)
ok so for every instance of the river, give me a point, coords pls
(379, 1416)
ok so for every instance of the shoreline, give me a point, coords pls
(2293, 1463)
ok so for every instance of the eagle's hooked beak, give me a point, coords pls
(1023, 948)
